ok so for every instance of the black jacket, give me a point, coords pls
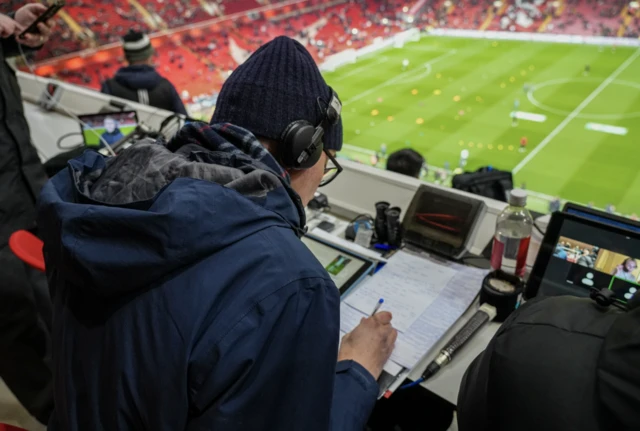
(25, 308)
(557, 364)
(143, 84)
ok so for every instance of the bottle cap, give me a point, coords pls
(518, 198)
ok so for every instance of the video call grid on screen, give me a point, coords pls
(586, 257)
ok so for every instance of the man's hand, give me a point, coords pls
(8, 27)
(371, 343)
(25, 16)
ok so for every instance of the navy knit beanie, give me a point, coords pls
(279, 84)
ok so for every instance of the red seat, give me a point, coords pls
(4, 427)
(28, 248)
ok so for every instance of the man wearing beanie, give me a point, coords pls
(183, 296)
(139, 81)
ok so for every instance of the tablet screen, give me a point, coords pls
(588, 255)
(344, 268)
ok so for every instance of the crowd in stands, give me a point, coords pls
(168, 13)
(199, 59)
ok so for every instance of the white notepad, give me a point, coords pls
(425, 296)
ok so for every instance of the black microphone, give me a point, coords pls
(486, 313)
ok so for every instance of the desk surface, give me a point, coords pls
(446, 383)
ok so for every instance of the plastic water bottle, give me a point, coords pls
(513, 234)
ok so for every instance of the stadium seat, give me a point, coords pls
(28, 248)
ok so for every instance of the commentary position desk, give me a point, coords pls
(355, 192)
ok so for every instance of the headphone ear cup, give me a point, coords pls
(297, 139)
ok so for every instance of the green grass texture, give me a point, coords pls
(459, 94)
(92, 137)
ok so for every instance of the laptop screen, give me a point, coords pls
(100, 130)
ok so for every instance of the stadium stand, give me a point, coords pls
(212, 37)
(589, 18)
(177, 13)
(105, 20)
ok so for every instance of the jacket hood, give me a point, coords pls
(137, 77)
(118, 225)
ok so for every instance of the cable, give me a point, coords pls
(63, 137)
(412, 384)
(56, 103)
(535, 225)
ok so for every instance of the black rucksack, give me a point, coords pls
(487, 182)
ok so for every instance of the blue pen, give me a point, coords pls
(377, 307)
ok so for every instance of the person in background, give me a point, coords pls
(183, 296)
(555, 205)
(556, 364)
(407, 162)
(586, 259)
(560, 252)
(112, 132)
(523, 144)
(25, 306)
(139, 81)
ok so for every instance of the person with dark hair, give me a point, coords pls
(407, 162)
(139, 81)
(183, 296)
(25, 307)
(625, 270)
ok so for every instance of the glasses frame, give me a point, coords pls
(338, 168)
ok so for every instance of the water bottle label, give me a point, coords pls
(510, 255)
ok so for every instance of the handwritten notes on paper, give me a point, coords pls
(425, 297)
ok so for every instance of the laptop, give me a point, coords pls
(100, 130)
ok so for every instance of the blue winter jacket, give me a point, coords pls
(184, 299)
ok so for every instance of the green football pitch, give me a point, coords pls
(459, 94)
(92, 137)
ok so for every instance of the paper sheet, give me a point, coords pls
(407, 289)
(425, 297)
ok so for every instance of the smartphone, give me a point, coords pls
(46, 16)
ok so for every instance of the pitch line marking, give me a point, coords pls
(357, 70)
(576, 112)
(397, 78)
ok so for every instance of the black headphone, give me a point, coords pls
(302, 141)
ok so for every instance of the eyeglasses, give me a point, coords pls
(331, 169)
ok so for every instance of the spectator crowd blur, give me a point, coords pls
(198, 43)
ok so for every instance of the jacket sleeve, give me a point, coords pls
(275, 369)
